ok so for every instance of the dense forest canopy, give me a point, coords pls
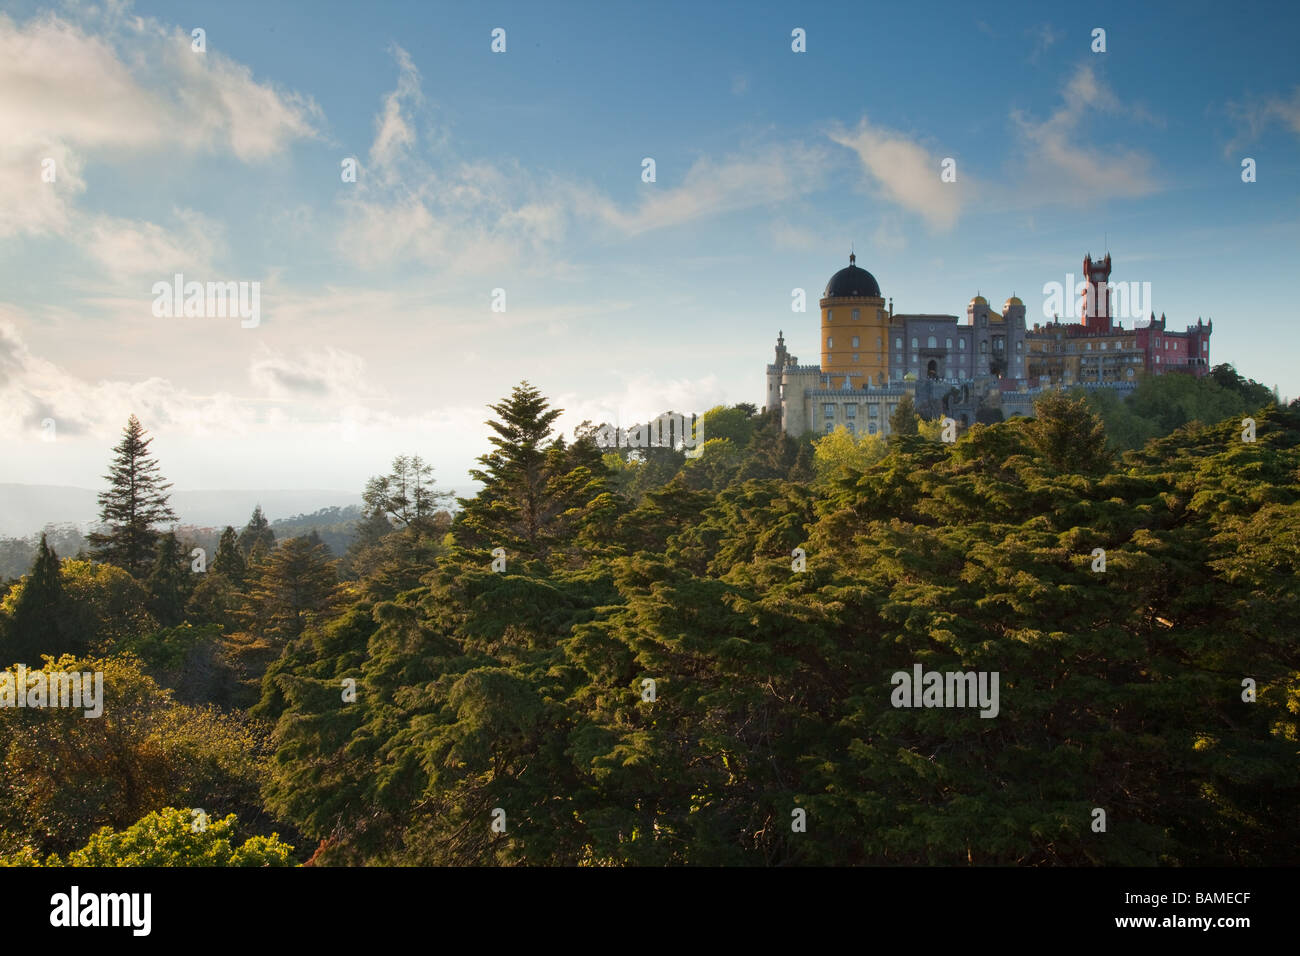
(608, 659)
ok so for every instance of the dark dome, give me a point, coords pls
(852, 282)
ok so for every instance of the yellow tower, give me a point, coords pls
(855, 329)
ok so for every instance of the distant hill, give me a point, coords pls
(26, 509)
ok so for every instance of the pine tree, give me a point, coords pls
(904, 419)
(257, 540)
(230, 559)
(297, 582)
(511, 510)
(39, 622)
(135, 502)
(406, 493)
(170, 583)
(1068, 435)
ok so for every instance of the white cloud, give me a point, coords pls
(85, 99)
(1061, 164)
(1253, 118)
(762, 177)
(129, 248)
(906, 174)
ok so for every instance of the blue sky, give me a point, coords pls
(522, 171)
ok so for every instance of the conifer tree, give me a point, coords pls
(904, 419)
(257, 539)
(1068, 435)
(170, 582)
(512, 508)
(406, 493)
(135, 502)
(39, 621)
(297, 581)
(230, 559)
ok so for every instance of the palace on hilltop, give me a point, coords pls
(984, 366)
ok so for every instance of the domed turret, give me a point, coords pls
(852, 282)
(979, 300)
(1014, 300)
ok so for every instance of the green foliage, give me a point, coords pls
(64, 774)
(295, 584)
(257, 539)
(169, 837)
(838, 453)
(904, 420)
(523, 690)
(170, 582)
(135, 501)
(40, 619)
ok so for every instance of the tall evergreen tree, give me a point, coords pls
(135, 502)
(297, 581)
(39, 622)
(512, 508)
(1068, 435)
(257, 540)
(406, 493)
(904, 419)
(170, 583)
(230, 559)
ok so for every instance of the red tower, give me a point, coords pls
(1096, 296)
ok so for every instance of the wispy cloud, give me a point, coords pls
(904, 173)
(1255, 116)
(1062, 166)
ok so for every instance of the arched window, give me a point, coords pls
(855, 356)
(947, 343)
(855, 341)
(830, 315)
(914, 341)
(898, 342)
(871, 428)
(932, 343)
(961, 343)
(984, 346)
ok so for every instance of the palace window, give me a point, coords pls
(873, 411)
(914, 341)
(855, 315)
(855, 356)
(947, 343)
(898, 342)
(830, 315)
(871, 428)
(1205, 346)
(984, 346)
(852, 428)
(932, 343)
(830, 427)
(855, 341)
(1020, 346)
(830, 342)
(850, 411)
(829, 409)
(961, 343)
